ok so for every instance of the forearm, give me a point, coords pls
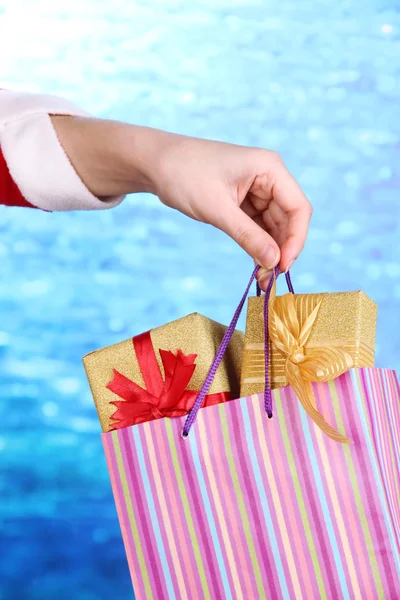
(110, 157)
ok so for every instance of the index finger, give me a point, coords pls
(297, 230)
(292, 200)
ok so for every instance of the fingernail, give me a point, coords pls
(263, 274)
(269, 257)
(289, 265)
(264, 279)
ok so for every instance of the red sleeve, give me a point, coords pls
(9, 192)
(34, 169)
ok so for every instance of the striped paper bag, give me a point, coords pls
(249, 507)
(301, 505)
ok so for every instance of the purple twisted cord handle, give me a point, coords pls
(288, 281)
(190, 419)
(267, 389)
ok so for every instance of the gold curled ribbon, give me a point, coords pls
(305, 365)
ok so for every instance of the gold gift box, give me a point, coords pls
(194, 334)
(345, 319)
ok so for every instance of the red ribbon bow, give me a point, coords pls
(161, 398)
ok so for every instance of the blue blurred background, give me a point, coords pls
(317, 81)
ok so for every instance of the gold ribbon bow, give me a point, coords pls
(304, 365)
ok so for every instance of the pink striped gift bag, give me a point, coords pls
(229, 504)
(253, 508)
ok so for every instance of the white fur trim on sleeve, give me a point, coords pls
(35, 158)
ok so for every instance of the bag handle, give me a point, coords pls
(190, 419)
(288, 281)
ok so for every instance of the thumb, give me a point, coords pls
(251, 237)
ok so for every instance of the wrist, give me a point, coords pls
(140, 151)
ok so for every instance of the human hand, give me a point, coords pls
(246, 192)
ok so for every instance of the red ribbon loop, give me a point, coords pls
(166, 397)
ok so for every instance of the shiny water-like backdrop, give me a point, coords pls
(318, 82)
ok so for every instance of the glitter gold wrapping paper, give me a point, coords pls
(194, 334)
(345, 319)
